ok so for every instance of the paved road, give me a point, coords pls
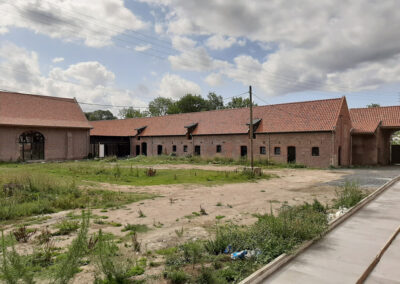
(344, 253)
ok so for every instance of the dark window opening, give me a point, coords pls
(184, 148)
(243, 151)
(197, 151)
(263, 150)
(277, 150)
(31, 146)
(173, 148)
(144, 148)
(315, 151)
(137, 150)
(291, 154)
(219, 148)
(159, 149)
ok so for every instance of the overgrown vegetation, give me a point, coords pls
(17, 268)
(189, 159)
(62, 180)
(36, 193)
(269, 237)
(348, 195)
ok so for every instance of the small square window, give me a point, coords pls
(315, 151)
(173, 148)
(219, 149)
(184, 148)
(263, 151)
(277, 150)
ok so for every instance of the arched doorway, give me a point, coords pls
(31, 146)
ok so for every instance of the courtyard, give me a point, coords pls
(180, 203)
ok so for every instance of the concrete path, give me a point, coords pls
(344, 253)
(388, 269)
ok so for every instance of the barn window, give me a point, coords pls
(31, 146)
(263, 150)
(219, 149)
(277, 150)
(184, 148)
(173, 148)
(315, 151)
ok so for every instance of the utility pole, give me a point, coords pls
(251, 129)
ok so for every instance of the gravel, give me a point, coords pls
(367, 177)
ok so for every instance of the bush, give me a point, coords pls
(349, 195)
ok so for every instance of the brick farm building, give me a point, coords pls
(36, 127)
(318, 133)
(315, 133)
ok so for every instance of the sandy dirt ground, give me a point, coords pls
(236, 202)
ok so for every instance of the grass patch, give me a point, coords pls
(138, 228)
(348, 195)
(164, 159)
(121, 173)
(66, 227)
(37, 193)
(272, 235)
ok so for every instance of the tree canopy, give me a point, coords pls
(130, 112)
(373, 105)
(164, 106)
(100, 115)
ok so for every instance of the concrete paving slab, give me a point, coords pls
(388, 269)
(344, 253)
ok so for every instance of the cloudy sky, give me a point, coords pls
(126, 53)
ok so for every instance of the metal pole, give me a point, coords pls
(251, 129)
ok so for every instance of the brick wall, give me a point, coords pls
(230, 146)
(56, 143)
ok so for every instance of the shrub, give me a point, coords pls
(348, 196)
(23, 234)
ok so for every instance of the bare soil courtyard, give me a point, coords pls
(182, 212)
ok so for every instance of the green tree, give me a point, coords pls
(131, 113)
(100, 115)
(214, 102)
(189, 103)
(160, 106)
(373, 105)
(238, 102)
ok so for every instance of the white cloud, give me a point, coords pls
(214, 79)
(217, 42)
(144, 47)
(58, 59)
(174, 86)
(93, 23)
(323, 44)
(87, 81)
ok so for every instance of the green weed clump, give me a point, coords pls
(36, 193)
(66, 227)
(114, 269)
(349, 195)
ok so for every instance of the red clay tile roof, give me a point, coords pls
(309, 116)
(34, 110)
(367, 120)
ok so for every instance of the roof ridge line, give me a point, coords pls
(42, 96)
